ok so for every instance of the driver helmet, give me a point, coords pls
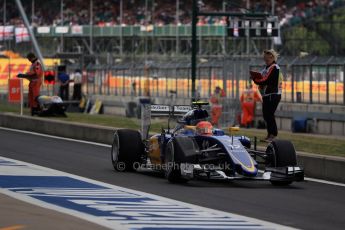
(204, 128)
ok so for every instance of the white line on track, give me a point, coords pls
(105, 145)
(53, 172)
(324, 181)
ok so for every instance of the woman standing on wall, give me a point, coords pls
(270, 84)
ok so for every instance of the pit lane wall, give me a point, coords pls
(316, 166)
(319, 118)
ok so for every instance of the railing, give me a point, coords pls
(318, 80)
(311, 80)
(128, 31)
(314, 82)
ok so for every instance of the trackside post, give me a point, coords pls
(145, 107)
(21, 97)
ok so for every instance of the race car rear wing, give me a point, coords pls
(167, 110)
(149, 111)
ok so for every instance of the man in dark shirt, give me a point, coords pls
(64, 85)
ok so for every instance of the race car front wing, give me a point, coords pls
(289, 173)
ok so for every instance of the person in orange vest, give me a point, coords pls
(216, 105)
(35, 76)
(248, 100)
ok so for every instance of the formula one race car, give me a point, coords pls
(194, 149)
(50, 106)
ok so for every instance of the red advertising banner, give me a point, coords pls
(14, 90)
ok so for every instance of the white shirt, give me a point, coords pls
(77, 78)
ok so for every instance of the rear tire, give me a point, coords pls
(281, 153)
(127, 150)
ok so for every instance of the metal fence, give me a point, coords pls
(318, 80)
(129, 31)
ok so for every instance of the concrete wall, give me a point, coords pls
(117, 105)
(324, 119)
(58, 128)
(284, 114)
(325, 167)
(320, 122)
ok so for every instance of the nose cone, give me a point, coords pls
(247, 168)
(249, 171)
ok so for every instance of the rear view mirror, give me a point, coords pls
(180, 121)
(234, 129)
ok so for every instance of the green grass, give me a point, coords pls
(319, 144)
(112, 121)
(14, 108)
(105, 120)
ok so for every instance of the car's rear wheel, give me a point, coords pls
(281, 153)
(127, 150)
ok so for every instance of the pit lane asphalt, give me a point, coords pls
(306, 205)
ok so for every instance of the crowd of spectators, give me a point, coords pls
(291, 15)
(157, 12)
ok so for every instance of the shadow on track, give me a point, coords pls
(200, 183)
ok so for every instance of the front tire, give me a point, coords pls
(172, 170)
(281, 153)
(127, 150)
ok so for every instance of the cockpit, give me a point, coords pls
(195, 122)
(195, 116)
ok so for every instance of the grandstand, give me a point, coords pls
(155, 26)
(107, 13)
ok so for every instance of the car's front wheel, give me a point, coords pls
(172, 168)
(281, 153)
